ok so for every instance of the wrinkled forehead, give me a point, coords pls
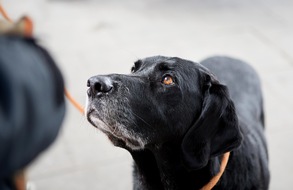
(158, 59)
(149, 64)
(187, 73)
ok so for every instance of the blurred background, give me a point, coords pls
(89, 37)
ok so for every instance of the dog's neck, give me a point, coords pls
(162, 168)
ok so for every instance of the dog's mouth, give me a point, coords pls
(113, 129)
(98, 122)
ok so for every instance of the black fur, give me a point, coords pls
(178, 132)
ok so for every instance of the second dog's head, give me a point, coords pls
(165, 99)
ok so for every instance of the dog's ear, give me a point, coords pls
(216, 131)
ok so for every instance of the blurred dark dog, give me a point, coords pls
(32, 106)
(177, 118)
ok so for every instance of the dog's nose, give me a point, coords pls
(99, 85)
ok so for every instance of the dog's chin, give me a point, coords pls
(117, 134)
(125, 143)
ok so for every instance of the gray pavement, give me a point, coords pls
(89, 37)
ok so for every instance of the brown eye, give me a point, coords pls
(168, 80)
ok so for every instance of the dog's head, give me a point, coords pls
(165, 99)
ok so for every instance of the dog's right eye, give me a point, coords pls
(168, 80)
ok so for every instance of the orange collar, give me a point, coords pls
(217, 177)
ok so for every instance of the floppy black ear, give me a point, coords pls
(215, 132)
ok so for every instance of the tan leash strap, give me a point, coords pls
(217, 177)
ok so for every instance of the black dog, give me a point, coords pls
(177, 120)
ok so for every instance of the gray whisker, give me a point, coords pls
(140, 118)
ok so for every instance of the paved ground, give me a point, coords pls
(88, 37)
